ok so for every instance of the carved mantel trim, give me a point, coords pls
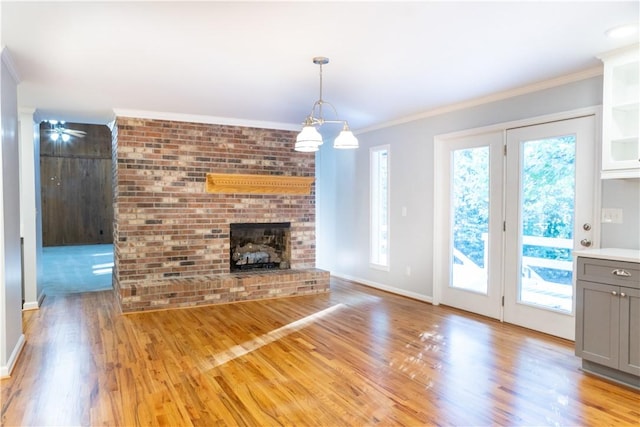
(226, 183)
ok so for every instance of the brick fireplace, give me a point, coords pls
(172, 237)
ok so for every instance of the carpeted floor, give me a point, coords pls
(79, 268)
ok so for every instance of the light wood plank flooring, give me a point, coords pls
(356, 356)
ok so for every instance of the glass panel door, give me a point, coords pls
(550, 178)
(470, 223)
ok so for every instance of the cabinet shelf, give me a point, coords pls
(624, 139)
(629, 106)
(621, 114)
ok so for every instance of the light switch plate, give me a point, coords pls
(611, 216)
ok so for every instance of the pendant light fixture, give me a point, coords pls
(309, 139)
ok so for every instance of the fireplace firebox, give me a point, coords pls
(260, 246)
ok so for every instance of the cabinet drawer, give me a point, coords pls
(610, 272)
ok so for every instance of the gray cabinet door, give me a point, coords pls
(630, 331)
(597, 323)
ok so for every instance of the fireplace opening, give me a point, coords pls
(260, 246)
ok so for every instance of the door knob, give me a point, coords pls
(585, 242)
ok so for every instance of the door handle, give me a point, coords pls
(585, 242)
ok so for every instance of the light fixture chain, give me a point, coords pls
(320, 101)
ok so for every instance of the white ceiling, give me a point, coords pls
(252, 61)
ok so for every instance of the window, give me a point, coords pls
(379, 207)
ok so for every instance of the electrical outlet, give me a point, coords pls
(407, 271)
(611, 216)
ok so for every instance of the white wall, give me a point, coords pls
(11, 337)
(622, 194)
(343, 209)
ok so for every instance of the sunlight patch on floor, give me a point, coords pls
(421, 363)
(258, 342)
(101, 269)
(103, 254)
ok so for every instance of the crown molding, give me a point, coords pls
(196, 118)
(511, 93)
(24, 111)
(7, 60)
(622, 50)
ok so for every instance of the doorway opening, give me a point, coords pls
(76, 190)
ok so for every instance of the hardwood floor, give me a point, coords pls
(356, 356)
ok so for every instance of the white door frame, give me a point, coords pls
(441, 197)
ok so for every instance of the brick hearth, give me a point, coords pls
(222, 288)
(171, 237)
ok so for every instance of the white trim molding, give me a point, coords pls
(30, 305)
(212, 120)
(504, 126)
(391, 289)
(5, 371)
(7, 59)
(523, 90)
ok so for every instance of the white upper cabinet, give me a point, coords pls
(621, 114)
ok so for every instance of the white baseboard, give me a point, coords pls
(386, 288)
(34, 305)
(5, 371)
(31, 305)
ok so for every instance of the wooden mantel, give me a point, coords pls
(257, 184)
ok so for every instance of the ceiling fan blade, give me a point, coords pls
(73, 132)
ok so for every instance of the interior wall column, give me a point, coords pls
(11, 335)
(30, 212)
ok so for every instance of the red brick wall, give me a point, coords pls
(167, 226)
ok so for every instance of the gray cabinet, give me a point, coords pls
(630, 331)
(608, 318)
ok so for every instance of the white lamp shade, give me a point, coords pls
(309, 139)
(346, 140)
(306, 147)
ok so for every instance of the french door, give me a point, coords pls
(550, 178)
(470, 273)
(514, 204)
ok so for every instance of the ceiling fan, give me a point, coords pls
(58, 132)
